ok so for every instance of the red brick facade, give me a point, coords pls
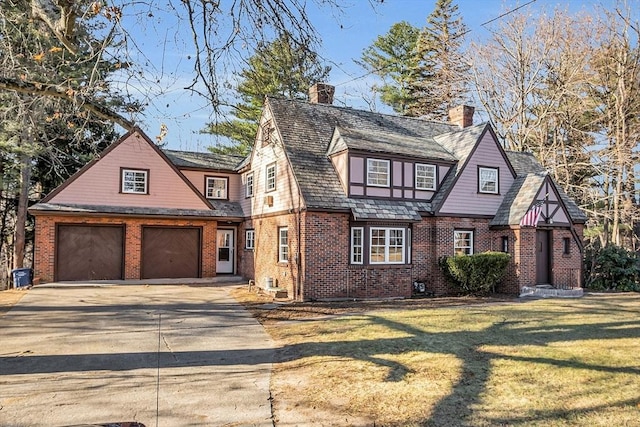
(44, 258)
(326, 271)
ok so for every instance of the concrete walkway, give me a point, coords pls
(164, 355)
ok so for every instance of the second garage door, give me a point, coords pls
(170, 252)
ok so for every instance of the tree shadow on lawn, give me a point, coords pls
(457, 408)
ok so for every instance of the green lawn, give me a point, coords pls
(547, 362)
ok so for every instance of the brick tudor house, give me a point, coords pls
(332, 202)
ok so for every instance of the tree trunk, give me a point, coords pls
(19, 241)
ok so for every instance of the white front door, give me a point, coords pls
(224, 258)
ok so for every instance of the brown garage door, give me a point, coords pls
(87, 252)
(170, 252)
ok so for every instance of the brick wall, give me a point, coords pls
(245, 261)
(266, 265)
(44, 259)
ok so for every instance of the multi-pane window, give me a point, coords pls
(387, 245)
(270, 178)
(463, 242)
(283, 244)
(134, 181)
(216, 188)
(488, 180)
(250, 239)
(378, 172)
(356, 245)
(425, 177)
(249, 185)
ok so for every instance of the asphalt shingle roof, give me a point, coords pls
(311, 132)
(190, 159)
(222, 210)
(307, 129)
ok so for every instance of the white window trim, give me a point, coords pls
(387, 237)
(282, 247)
(133, 191)
(433, 168)
(360, 246)
(496, 171)
(249, 188)
(209, 187)
(251, 239)
(268, 188)
(455, 239)
(369, 165)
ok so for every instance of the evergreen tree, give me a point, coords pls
(440, 78)
(393, 58)
(46, 134)
(279, 68)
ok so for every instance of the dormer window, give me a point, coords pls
(488, 180)
(425, 177)
(378, 173)
(134, 181)
(216, 188)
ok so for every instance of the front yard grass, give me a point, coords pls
(546, 362)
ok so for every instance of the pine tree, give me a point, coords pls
(440, 78)
(279, 68)
(393, 58)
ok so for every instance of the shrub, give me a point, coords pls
(614, 268)
(477, 273)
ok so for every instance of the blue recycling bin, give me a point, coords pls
(21, 277)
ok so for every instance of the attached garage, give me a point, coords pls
(89, 252)
(171, 252)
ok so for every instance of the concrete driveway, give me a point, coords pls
(161, 355)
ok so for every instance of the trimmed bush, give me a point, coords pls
(614, 268)
(477, 273)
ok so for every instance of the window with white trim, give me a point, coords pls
(270, 177)
(250, 239)
(386, 245)
(283, 244)
(134, 181)
(216, 188)
(487, 180)
(463, 242)
(378, 172)
(425, 177)
(357, 245)
(249, 185)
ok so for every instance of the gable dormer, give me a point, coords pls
(482, 177)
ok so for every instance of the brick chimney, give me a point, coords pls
(321, 93)
(462, 115)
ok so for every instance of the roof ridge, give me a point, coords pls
(420, 119)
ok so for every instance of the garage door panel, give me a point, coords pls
(170, 252)
(85, 252)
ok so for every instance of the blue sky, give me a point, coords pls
(344, 36)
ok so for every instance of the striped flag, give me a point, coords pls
(530, 219)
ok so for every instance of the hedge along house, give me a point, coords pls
(332, 202)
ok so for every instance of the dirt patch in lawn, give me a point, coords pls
(269, 311)
(9, 298)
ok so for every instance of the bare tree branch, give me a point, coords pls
(59, 92)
